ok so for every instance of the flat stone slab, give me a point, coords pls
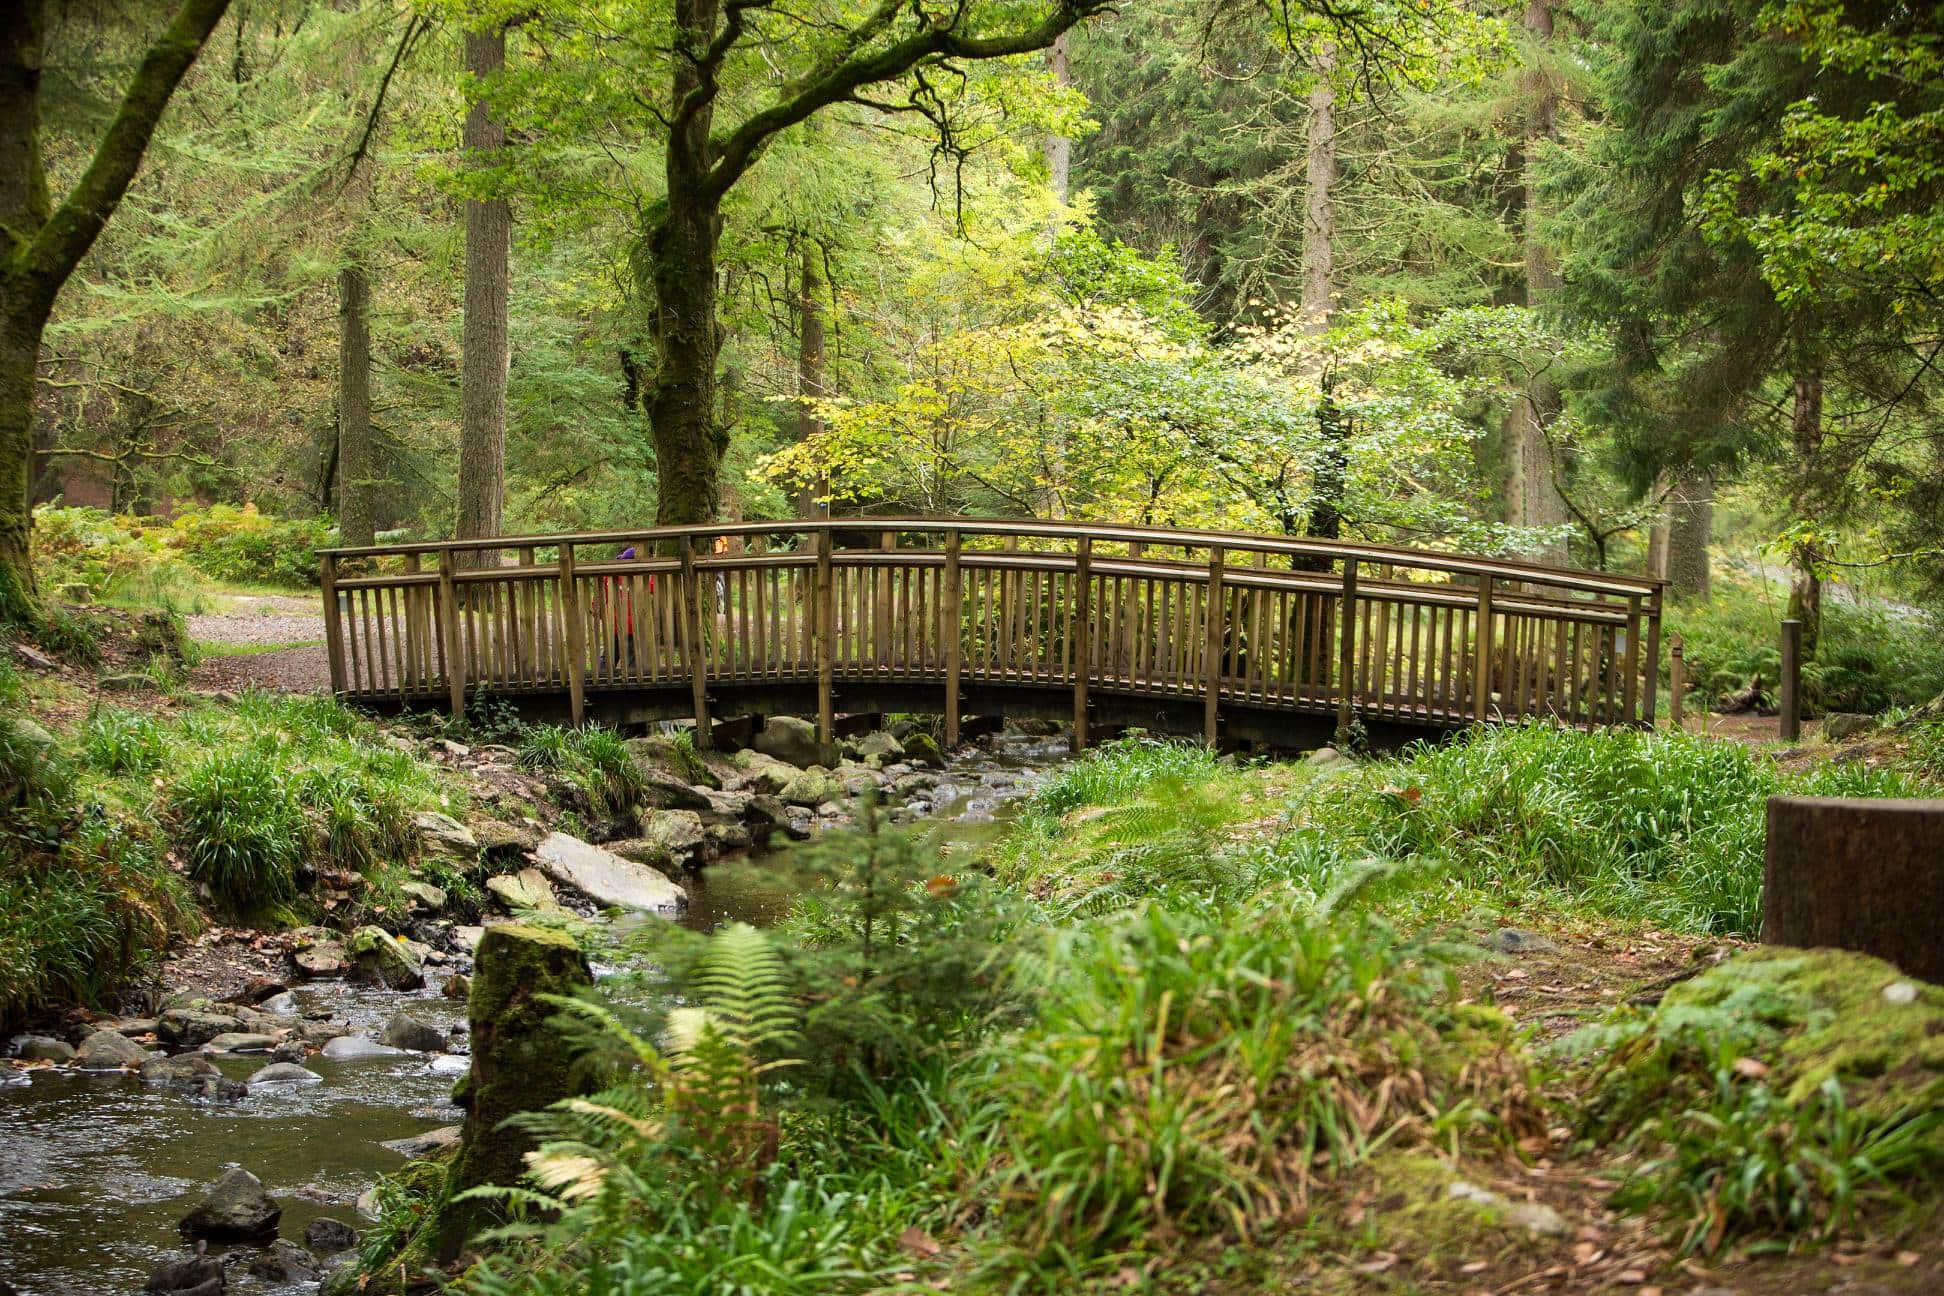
(605, 877)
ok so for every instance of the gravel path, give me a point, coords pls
(265, 621)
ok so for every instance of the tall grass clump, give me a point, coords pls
(118, 742)
(1657, 826)
(237, 820)
(1119, 771)
(1195, 1073)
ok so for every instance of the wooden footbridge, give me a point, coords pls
(1253, 637)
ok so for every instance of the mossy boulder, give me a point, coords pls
(520, 1063)
(1800, 1017)
(380, 958)
(812, 787)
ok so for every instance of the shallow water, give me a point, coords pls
(95, 1170)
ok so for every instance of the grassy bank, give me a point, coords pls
(1197, 1026)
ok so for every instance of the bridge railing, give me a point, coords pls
(1237, 621)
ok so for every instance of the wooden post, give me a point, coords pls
(826, 634)
(1082, 636)
(1482, 650)
(1216, 619)
(576, 635)
(881, 649)
(1791, 683)
(1857, 874)
(1630, 660)
(333, 628)
(1347, 650)
(693, 647)
(950, 635)
(454, 642)
(1652, 681)
(1676, 682)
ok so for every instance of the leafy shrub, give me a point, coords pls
(237, 820)
(1193, 1073)
(241, 544)
(1870, 659)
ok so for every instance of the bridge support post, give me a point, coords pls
(1217, 623)
(1676, 682)
(1652, 681)
(333, 632)
(950, 635)
(693, 645)
(1790, 686)
(455, 657)
(826, 636)
(576, 635)
(1082, 636)
(1347, 651)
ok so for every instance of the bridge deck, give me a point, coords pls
(942, 607)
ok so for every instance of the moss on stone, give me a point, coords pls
(1805, 1016)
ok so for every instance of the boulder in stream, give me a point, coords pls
(194, 1027)
(763, 774)
(416, 1147)
(379, 958)
(197, 1275)
(317, 952)
(108, 1050)
(237, 1209)
(527, 889)
(603, 877)
(922, 749)
(43, 1048)
(283, 1073)
(811, 787)
(326, 1236)
(284, 1262)
(408, 1031)
(794, 740)
(356, 1048)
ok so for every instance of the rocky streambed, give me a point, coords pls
(252, 1124)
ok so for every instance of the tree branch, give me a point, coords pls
(59, 245)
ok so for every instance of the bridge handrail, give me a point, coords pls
(1618, 584)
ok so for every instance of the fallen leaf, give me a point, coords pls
(1750, 1068)
(1631, 1277)
(1476, 1266)
(919, 1242)
(1908, 1258)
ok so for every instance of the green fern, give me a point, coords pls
(745, 988)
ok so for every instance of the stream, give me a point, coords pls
(96, 1168)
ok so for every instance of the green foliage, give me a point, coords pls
(1781, 1092)
(1746, 1162)
(1196, 1074)
(1114, 772)
(595, 760)
(1656, 827)
(169, 562)
(238, 821)
(118, 742)
(1870, 658)
(85, 902)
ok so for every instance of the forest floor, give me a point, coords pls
(267, 641)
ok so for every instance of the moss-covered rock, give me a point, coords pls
(380, 958)
(519, 1063)
(1799, 1017)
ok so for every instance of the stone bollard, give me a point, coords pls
(1857, 874)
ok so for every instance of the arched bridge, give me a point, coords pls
(1257, 637)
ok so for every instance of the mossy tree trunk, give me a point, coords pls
(41, 244)
(485, 351)
(355, 525)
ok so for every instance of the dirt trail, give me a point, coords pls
(263, 622)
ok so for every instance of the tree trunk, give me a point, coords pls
(1690, 526)
(1805, 591)
(20, 335)
(812, 496)
(484, 353)
(681, 245)
(1059, 148)
(354, 407)
(1534, 473)
(41, 244)
(1319, 206)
